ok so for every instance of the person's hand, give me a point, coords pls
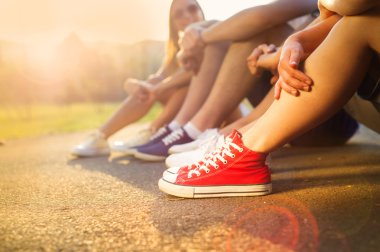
(262, 58)
(291, 79)
(190, 61)
(191, 40)
(140, 89)
(156, 91)
(154, 78)
(192, 47)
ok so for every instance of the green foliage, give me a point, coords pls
(36, 120)
(82, 83)
(75, 72)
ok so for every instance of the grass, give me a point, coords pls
(37, 120)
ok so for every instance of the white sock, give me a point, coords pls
(174, 125)
(191, 130)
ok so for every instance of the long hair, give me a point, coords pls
(172, 46)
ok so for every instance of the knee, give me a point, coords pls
(356, 24)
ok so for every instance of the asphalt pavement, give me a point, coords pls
(324, 199)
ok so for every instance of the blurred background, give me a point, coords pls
(63, 63)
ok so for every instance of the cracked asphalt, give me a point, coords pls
(324, 199)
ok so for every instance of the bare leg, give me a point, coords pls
(337, 68)
(202, 83)
(132, 110)
(234, 81)
(173, 104)
(234, 116)
(244, 123)
(129, 111)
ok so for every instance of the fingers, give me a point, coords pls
(192, 40)
(272, 48)
(256, 53)
(274, 79)
(288, 88)
(190, 61)
(262, 57)
(294, 58)
(184, 60)
(145, 93)
(292, 80)
(267, 48)
(293, 76)
(281, 85)
(252, 60)
(277, 91)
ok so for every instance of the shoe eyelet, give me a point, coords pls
(216, 167)
(207, 171)
(225, 162)
(233, 156)
(241, 150)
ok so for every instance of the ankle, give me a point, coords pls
(191, 130)
(102, 134)
(174, 125)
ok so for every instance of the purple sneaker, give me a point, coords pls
(159, 151)
(156, 137)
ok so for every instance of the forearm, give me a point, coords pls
(204, 24)
(253, 21)
(312, 36)
(162, 72)
(178, 79)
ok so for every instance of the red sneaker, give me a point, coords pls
(233, 170)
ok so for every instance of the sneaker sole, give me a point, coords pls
(125, 151)
(166, 173)
(171, 151)
(104, 152)
(147, 157)
(213, 191)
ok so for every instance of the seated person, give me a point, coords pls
(204, 110)
(167, 86)
(306, 95)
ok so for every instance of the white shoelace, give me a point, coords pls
(212, 143)
(211, 158)
(210, 148)
(207, 134)
(172, 137)
(159, 133)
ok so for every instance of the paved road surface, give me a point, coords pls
(324, 200)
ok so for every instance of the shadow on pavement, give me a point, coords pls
(138, 173)
(296, 167)
(282, 219)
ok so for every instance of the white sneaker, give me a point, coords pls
(95, 145)
(175, 161)
(196, 143)
(129, 146)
